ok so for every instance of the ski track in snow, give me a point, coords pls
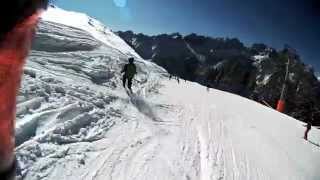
(75, 121)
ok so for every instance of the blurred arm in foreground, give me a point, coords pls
(18, 20)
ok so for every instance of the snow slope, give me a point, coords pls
(75, 121)
(94, 27)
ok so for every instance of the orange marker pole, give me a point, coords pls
(281, 102)
(281, 106)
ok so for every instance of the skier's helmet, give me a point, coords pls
(131, 60)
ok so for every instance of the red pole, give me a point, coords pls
(281, 106)
(281, 102)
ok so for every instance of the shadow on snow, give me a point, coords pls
(143, 107)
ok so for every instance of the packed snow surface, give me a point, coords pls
(76, 121)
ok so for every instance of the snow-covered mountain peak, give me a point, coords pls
(82, 21)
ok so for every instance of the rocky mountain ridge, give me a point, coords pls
(257, 72)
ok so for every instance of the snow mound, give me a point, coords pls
(94, 27)
(56, 38)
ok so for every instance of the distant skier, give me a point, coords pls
(208, 86)
(308, 128)
(129, 70)
(310, 118)
(178, 79)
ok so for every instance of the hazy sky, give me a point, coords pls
(275, 23)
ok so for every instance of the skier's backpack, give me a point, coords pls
(131, 70)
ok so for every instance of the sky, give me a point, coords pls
(275, 23)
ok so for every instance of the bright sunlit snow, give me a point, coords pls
(75, 120)
(94, 27)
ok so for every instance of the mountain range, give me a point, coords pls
(257, 72)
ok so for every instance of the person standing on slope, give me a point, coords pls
(310, 118)
(308, 128)
(129, 70)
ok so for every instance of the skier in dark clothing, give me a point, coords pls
(308, 128)
(129, 70)
(310, 111)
